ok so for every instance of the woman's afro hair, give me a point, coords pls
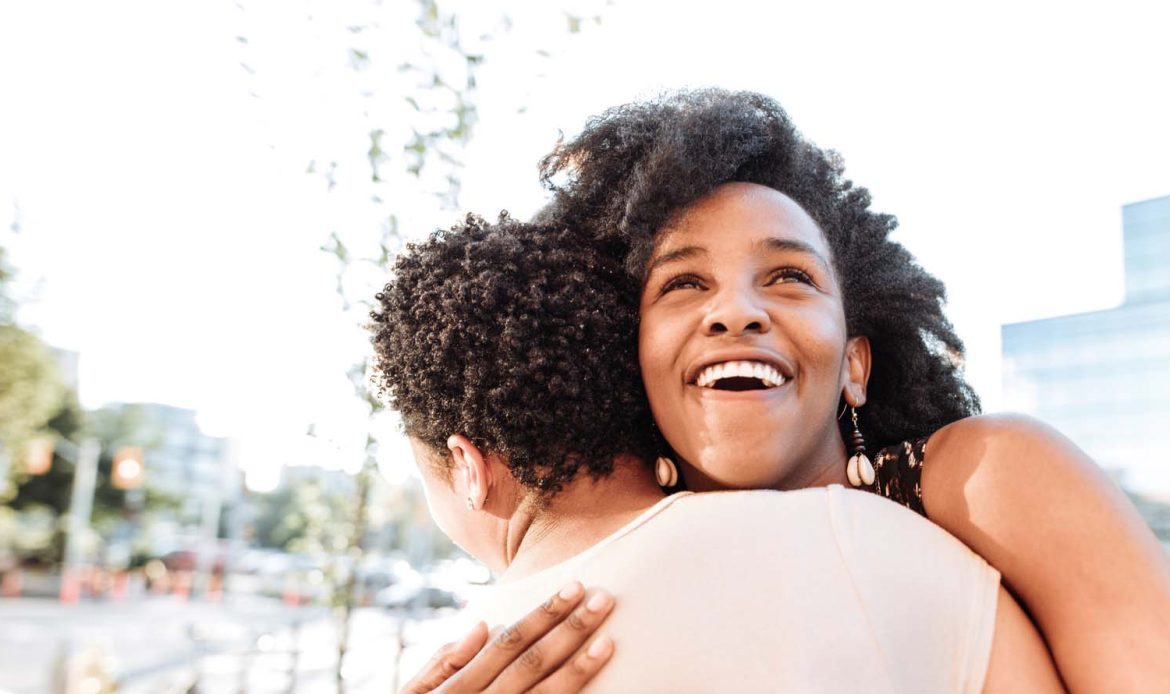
(522, 338)
(636, 166)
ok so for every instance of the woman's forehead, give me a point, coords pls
(740, 213)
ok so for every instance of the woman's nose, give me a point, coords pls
(735, 313)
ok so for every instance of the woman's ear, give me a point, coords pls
(472, 467)
(855, 374)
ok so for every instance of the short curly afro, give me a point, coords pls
(522, 338)
(636, 166)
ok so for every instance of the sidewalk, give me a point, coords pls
(150, 644)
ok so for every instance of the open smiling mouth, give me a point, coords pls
(740, 376)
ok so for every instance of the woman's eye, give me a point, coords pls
(789, 274)
(681, 282)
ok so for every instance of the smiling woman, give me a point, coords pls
(717, 306)
(755, 252)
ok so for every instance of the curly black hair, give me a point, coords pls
(636, 166)
(522, 338)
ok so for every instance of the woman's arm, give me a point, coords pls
(1019, 660)
(1067, 542)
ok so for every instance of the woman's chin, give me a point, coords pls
(732, 469)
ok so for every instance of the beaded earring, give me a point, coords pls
(859, 470)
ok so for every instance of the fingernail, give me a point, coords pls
(600, 647)
(474, 631)
(571, 591)
(600, 601)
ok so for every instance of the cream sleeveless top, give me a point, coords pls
(816, 590)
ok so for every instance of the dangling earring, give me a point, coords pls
(859, 470)
(665, 472)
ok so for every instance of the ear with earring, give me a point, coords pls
(859, 469)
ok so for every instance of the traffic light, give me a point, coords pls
(128, 468)
(38, 456)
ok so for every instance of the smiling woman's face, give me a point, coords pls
(743, 345)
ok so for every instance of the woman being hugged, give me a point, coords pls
(510, 351)
(783, 334)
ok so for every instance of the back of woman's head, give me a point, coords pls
(522, 338)
(636, 166)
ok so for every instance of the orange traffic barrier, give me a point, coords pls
(13, 583)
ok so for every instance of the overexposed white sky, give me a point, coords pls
(169, 230)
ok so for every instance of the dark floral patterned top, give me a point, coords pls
(899, 474)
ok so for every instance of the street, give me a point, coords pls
(164, 644)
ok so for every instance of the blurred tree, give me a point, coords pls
(31, 390)
(416, 110)
(52, 489)
(303, 518)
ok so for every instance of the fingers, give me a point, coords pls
(507, 646)
(574, 674)
(447, 661)
(552, 656)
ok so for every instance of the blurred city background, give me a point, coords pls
(198, 492)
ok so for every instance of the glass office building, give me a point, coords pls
(1103, 378)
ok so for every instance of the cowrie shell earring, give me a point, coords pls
(665, 472)
(859, 470)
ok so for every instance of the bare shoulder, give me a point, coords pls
(975, 437)
(1000, 455)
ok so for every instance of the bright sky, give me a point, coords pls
(169, 230)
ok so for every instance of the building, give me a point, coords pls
(1102, 377)
(183, 463)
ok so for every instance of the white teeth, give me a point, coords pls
(767, 373)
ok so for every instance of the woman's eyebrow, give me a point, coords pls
(684, 253)
(792, 245)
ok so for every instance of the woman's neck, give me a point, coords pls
(583, 513)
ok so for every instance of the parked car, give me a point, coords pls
(400, 597)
